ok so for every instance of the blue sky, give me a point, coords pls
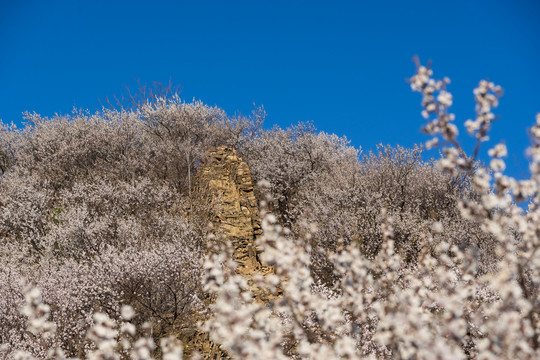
(341, 65)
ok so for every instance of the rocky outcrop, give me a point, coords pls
(224, 182)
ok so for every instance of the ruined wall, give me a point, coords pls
(224, 182)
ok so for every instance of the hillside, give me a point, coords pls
(159, 207)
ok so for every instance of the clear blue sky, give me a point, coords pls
(341, 65)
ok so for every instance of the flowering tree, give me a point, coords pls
(90, 217)
(376, 256)
(446, 304)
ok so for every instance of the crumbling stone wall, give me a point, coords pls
(224, 181)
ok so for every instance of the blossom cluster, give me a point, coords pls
(110, 339)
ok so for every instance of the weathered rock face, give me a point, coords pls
(224, 180)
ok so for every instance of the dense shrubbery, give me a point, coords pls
(377, 255)
(448, 266)
(321, 179)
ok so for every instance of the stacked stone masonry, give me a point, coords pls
(225, 181)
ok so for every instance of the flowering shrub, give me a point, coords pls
(109, 339)
(381, 255)
(162, 284)
(89, 217)
(449, 303)
(321, 179)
